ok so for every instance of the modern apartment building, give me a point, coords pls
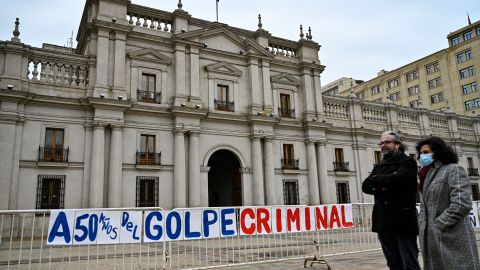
(162, 109)
(341, 85)
(445, 80)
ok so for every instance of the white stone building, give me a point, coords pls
(157, 108)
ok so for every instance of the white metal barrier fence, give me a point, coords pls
(24, 237)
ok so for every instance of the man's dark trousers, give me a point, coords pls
(400, 251)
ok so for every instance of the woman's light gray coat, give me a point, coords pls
(447, 239)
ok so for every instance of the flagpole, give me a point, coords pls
(216, 3)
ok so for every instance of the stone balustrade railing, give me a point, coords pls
(375, 113)
(438, 121)
(335, 107)
(145, 17)
(465, 126)
(408, 118)
(67, 69)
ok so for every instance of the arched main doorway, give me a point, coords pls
(224, 180)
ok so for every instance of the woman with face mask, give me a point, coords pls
(447, 238)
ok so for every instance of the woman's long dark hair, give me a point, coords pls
(441, 151)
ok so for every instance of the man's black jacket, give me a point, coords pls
(393, 182)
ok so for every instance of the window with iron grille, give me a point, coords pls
(50, 191)
(290, 192)
(343, 192)
(147, 191)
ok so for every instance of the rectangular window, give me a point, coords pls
(472, 104)
(433, 67)
(412, 75)
(147, 191)
(469, 88)
(339, 164)
(467, 72)
(414, 104)
(50, 191)
(222, 102)
(147, 90)
(375, 89)
(378, 156)
(467, 36)
(53, 149)
(470, 162)
(285, 107)
(475, 192)
(464, 56)
(436, 98)
(395, 96)
(393, 83)
(455, 41)
(478, 31)
(147, 155)
(290, 192)
(343, 192)
(434, 83)
(289, 161)
(413, 90)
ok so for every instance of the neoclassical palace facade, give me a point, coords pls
(156, 108)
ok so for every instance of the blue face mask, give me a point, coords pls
(426, 159)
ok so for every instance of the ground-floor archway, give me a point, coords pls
(224, 179)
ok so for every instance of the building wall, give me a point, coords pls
(91, 95)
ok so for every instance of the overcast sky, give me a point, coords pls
(358, 37)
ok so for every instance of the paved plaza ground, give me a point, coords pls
(358, 261)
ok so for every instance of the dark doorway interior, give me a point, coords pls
(224, 180)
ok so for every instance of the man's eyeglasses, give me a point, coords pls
(385, 142)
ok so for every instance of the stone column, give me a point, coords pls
(194, 171)
(269, 172)
(322, 173)
(97, 166)
(258, 190)
(115, 168)
(179, 184)
(313, 194)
